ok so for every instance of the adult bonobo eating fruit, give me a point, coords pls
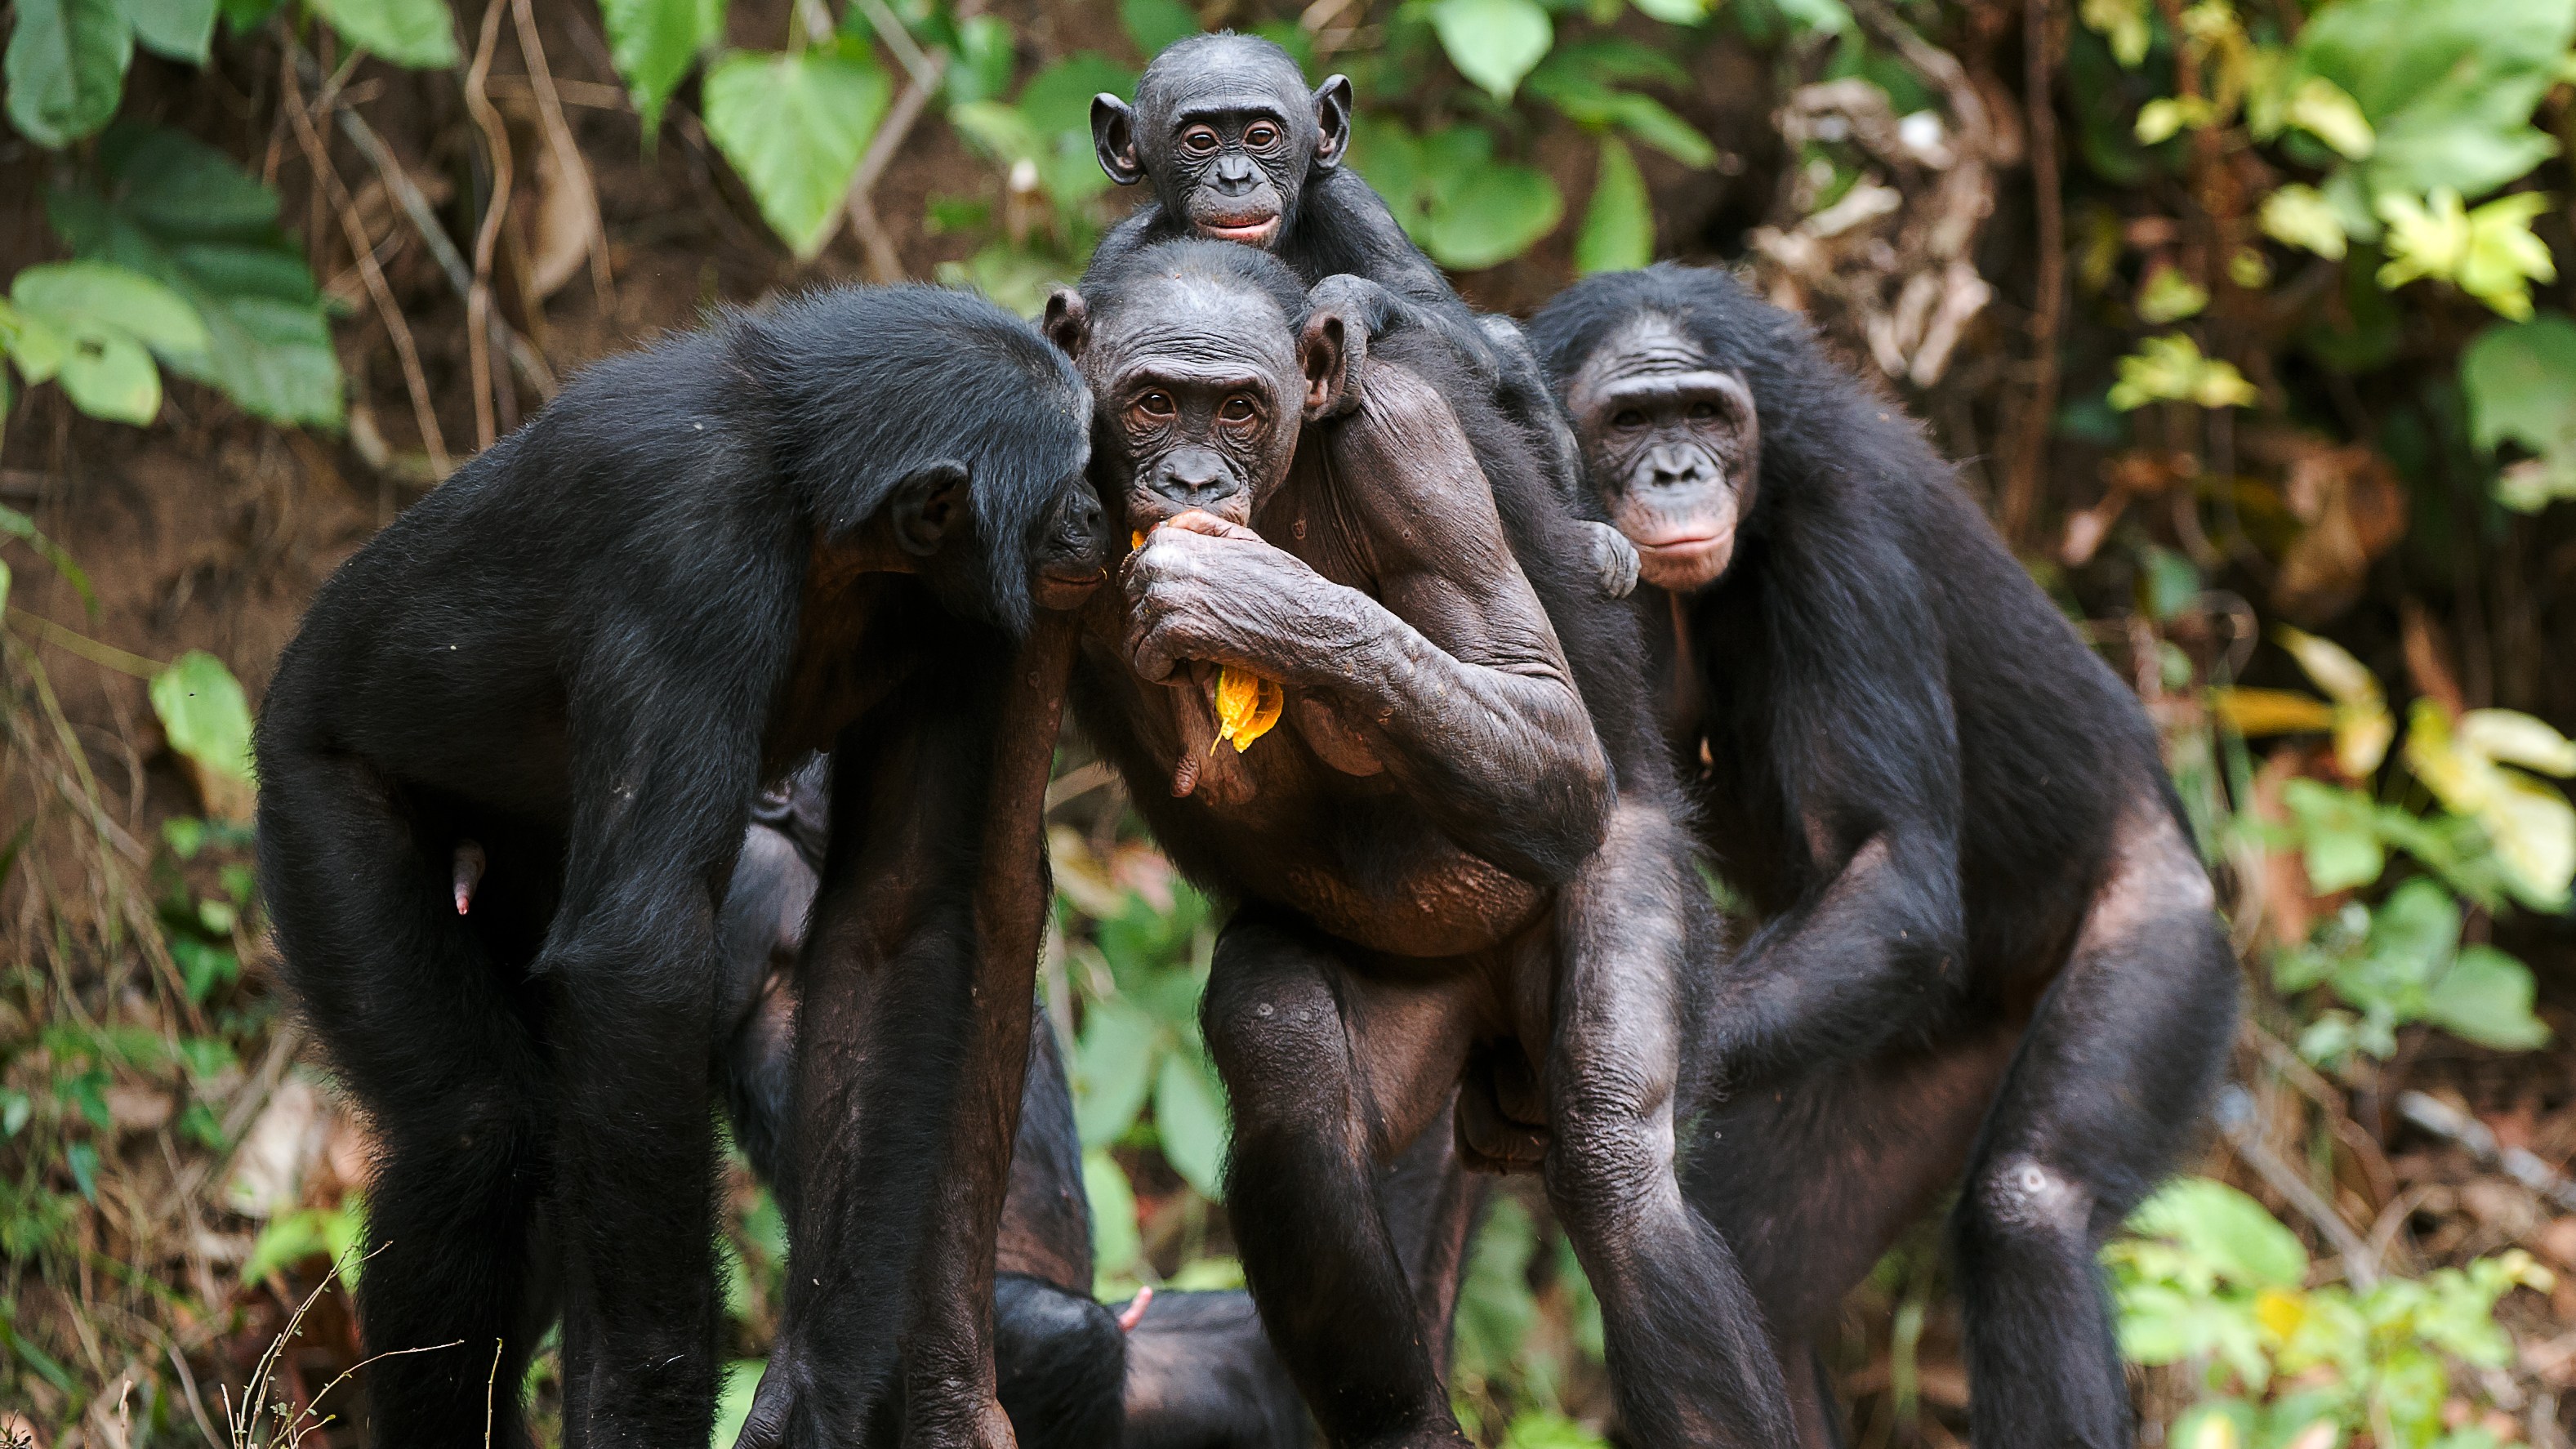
(505, 770)
(1452, 864)
(1987, 950)
(1238, 150)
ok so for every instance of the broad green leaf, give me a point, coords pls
(1057, 100)
(1113, 1070)
(420, 34)
(245, 16)
(2448, 86)
(2520, 380)
(1618, 225)
(2167, 297)
(654, 42)
(179, 29)
(203, 712)
(180, 212)
(2486, 998)
(66, 68)
(1493, 42)
(1153, 24)
(109, 375)
(981, 68)
(2301, 216)
(2338, 835)
(1115, 1242)
(114, 297)
(1494, 215)
(1822, 17)
(794, 126)
(2172, 369)
(1674, 12)
(1190, 1120)
(2226, 1230)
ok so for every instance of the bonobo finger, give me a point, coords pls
(1614, 560)
(773, 1409)
(1199, 520)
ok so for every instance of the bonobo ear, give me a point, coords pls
(1113, 137)
(1326, 355)
(1068, 321)
(928, 503)
(1332, 121)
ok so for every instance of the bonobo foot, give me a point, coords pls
(1614, 560)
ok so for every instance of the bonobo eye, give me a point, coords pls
(1199, 139)
(1261, 135)
(1627, 418)
(1237, 409)
(1702, 412)
(1155, 405)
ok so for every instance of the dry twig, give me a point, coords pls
(575, 172)
(487, 234)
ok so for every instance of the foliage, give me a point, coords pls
(2211, 1280)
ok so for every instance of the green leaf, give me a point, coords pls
(180, 212)
(420, 34)
(2448, 86)
(2338, 835)
(11, 857)
(245, 16)
(1190, 1119)
(2415, 930)
(1153, 24)
(1674, 12)
(72, 293)
(83, 1160)
(733, 1397)
(1618, 226)
(2224, 1230)
(1057, 100)
(1493, 42)
(1497, 213)
(179, 29)
(654, 42)
(981, 69)
(1115, 1242)
(109, 375)
(203, 712)
(2486, 998)
(1113, 1069)
(2520, 380)
(66, 68)
(794, 126)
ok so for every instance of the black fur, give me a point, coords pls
(1987, 945)
(577, 654)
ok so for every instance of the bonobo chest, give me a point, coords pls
(1307, 815)
(860, 631)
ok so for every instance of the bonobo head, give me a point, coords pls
(1225, 127)
(947, 422)
(1204, 362)
(1670, 436)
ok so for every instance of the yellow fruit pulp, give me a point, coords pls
(1247, 705)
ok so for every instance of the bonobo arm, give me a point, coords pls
(1866, 746)
(1453, 673)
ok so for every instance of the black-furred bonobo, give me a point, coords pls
(1238, 150)
(570, 667)
(1453, 867)
(1181, 1370)
(1987, 954)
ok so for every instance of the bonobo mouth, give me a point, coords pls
(1066, 588)
(1684, 560)
(1250, 230)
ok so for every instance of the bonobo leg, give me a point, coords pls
(1685, 1344)
(1331, 1072)
(2103, 1095)
(437, 1041)
(1810, 1184)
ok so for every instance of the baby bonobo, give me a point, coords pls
(1453, 865)
(1238, 150)
(1988, 959)
(570, 668)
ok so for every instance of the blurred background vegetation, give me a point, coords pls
(2245, 320)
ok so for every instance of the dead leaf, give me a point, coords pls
(2352, 510)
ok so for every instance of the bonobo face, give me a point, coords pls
(1069, 547)
(1200, 389)
(1673, 446)
(1227, 130)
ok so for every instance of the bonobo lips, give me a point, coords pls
(1685, 560)
(1251, 228)
(1064, 588)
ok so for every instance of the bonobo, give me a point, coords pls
(1239, 151)
(505, 770)
(1987, 947)
(1452, 863)
(1173, 1370)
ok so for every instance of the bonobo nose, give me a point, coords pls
(1233, 174)
(1194, 478)
(1083, 522)
(1669, 466)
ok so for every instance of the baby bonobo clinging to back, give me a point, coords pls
(1238, 150)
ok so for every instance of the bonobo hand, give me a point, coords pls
(1203, 588)
(1365, 310)
(1614, 559)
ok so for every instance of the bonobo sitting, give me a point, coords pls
(505, 771)
(1987, 956)
(1239, 151)
(1451, 859)
(1174, 1370)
